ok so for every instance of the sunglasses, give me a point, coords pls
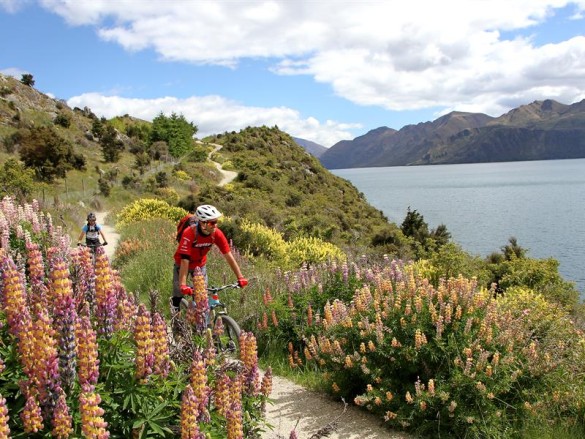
(211, 223)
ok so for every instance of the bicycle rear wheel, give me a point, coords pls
(227, 342)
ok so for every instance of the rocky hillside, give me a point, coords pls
(542, 130)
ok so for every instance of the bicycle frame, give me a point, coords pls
(226, 343)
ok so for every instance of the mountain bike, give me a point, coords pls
(225, 334)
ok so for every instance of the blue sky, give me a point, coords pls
(321, 70)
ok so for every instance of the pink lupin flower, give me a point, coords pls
(31, 417)
(126, 308)
(4, 429)
(62, 420)
(143, 338)
(161, 346)
(36, 274)
(84, 277)
(189, 414)
(87, 354)
(93, 425)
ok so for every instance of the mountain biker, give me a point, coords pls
(92, 232)
(195, 243)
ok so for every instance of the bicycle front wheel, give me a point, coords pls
(227, 342)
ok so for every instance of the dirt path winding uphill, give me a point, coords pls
(112, 237)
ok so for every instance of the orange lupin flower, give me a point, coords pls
(249, 350)
(60, 282)
(161, 346)
(4, 429)
(189, 413)
(266, 387)
(309, 316)
(93, 425)
(267, 297)
(234, 412)
(221, 393)
(62, 420)
(235, 426)
(274, 319)
(14, 298)
(143, 338)
(199, 384)
(87, 354)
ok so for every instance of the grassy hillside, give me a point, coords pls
(279, 184)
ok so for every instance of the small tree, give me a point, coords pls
(111, 145)
(176, 131)
(50, 156)
(16, 180)
(27, 79)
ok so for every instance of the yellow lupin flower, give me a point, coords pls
(4, 429)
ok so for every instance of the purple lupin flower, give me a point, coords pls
(65, 318)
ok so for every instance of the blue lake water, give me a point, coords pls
(541, 203)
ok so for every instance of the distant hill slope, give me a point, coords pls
(311, 147)
(542, 130)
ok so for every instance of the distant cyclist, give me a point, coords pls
(92, 232)
(195, 243)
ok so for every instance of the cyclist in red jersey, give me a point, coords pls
(195, 243)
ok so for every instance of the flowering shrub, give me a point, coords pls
(148, 208)
(451, 359)
(79, 357)
(259, 240)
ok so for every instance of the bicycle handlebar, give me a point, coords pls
(223, 287)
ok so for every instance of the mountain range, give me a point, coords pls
(542, 130)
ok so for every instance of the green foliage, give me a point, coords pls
(50, 156)
(540, 275)
(16, 180)
(414, 226)
(62, 120)
(111, 145)
(27, 79)
(281, 186)
(175, 131)
(451, 261)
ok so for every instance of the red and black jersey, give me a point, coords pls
(195, 246)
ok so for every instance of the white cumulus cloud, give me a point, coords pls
(215, 114)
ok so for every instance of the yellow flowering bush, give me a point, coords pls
(312, 250)
(182, 175)
(259, 240)
(149, 208)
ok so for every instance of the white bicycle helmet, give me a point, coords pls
(207, 212)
